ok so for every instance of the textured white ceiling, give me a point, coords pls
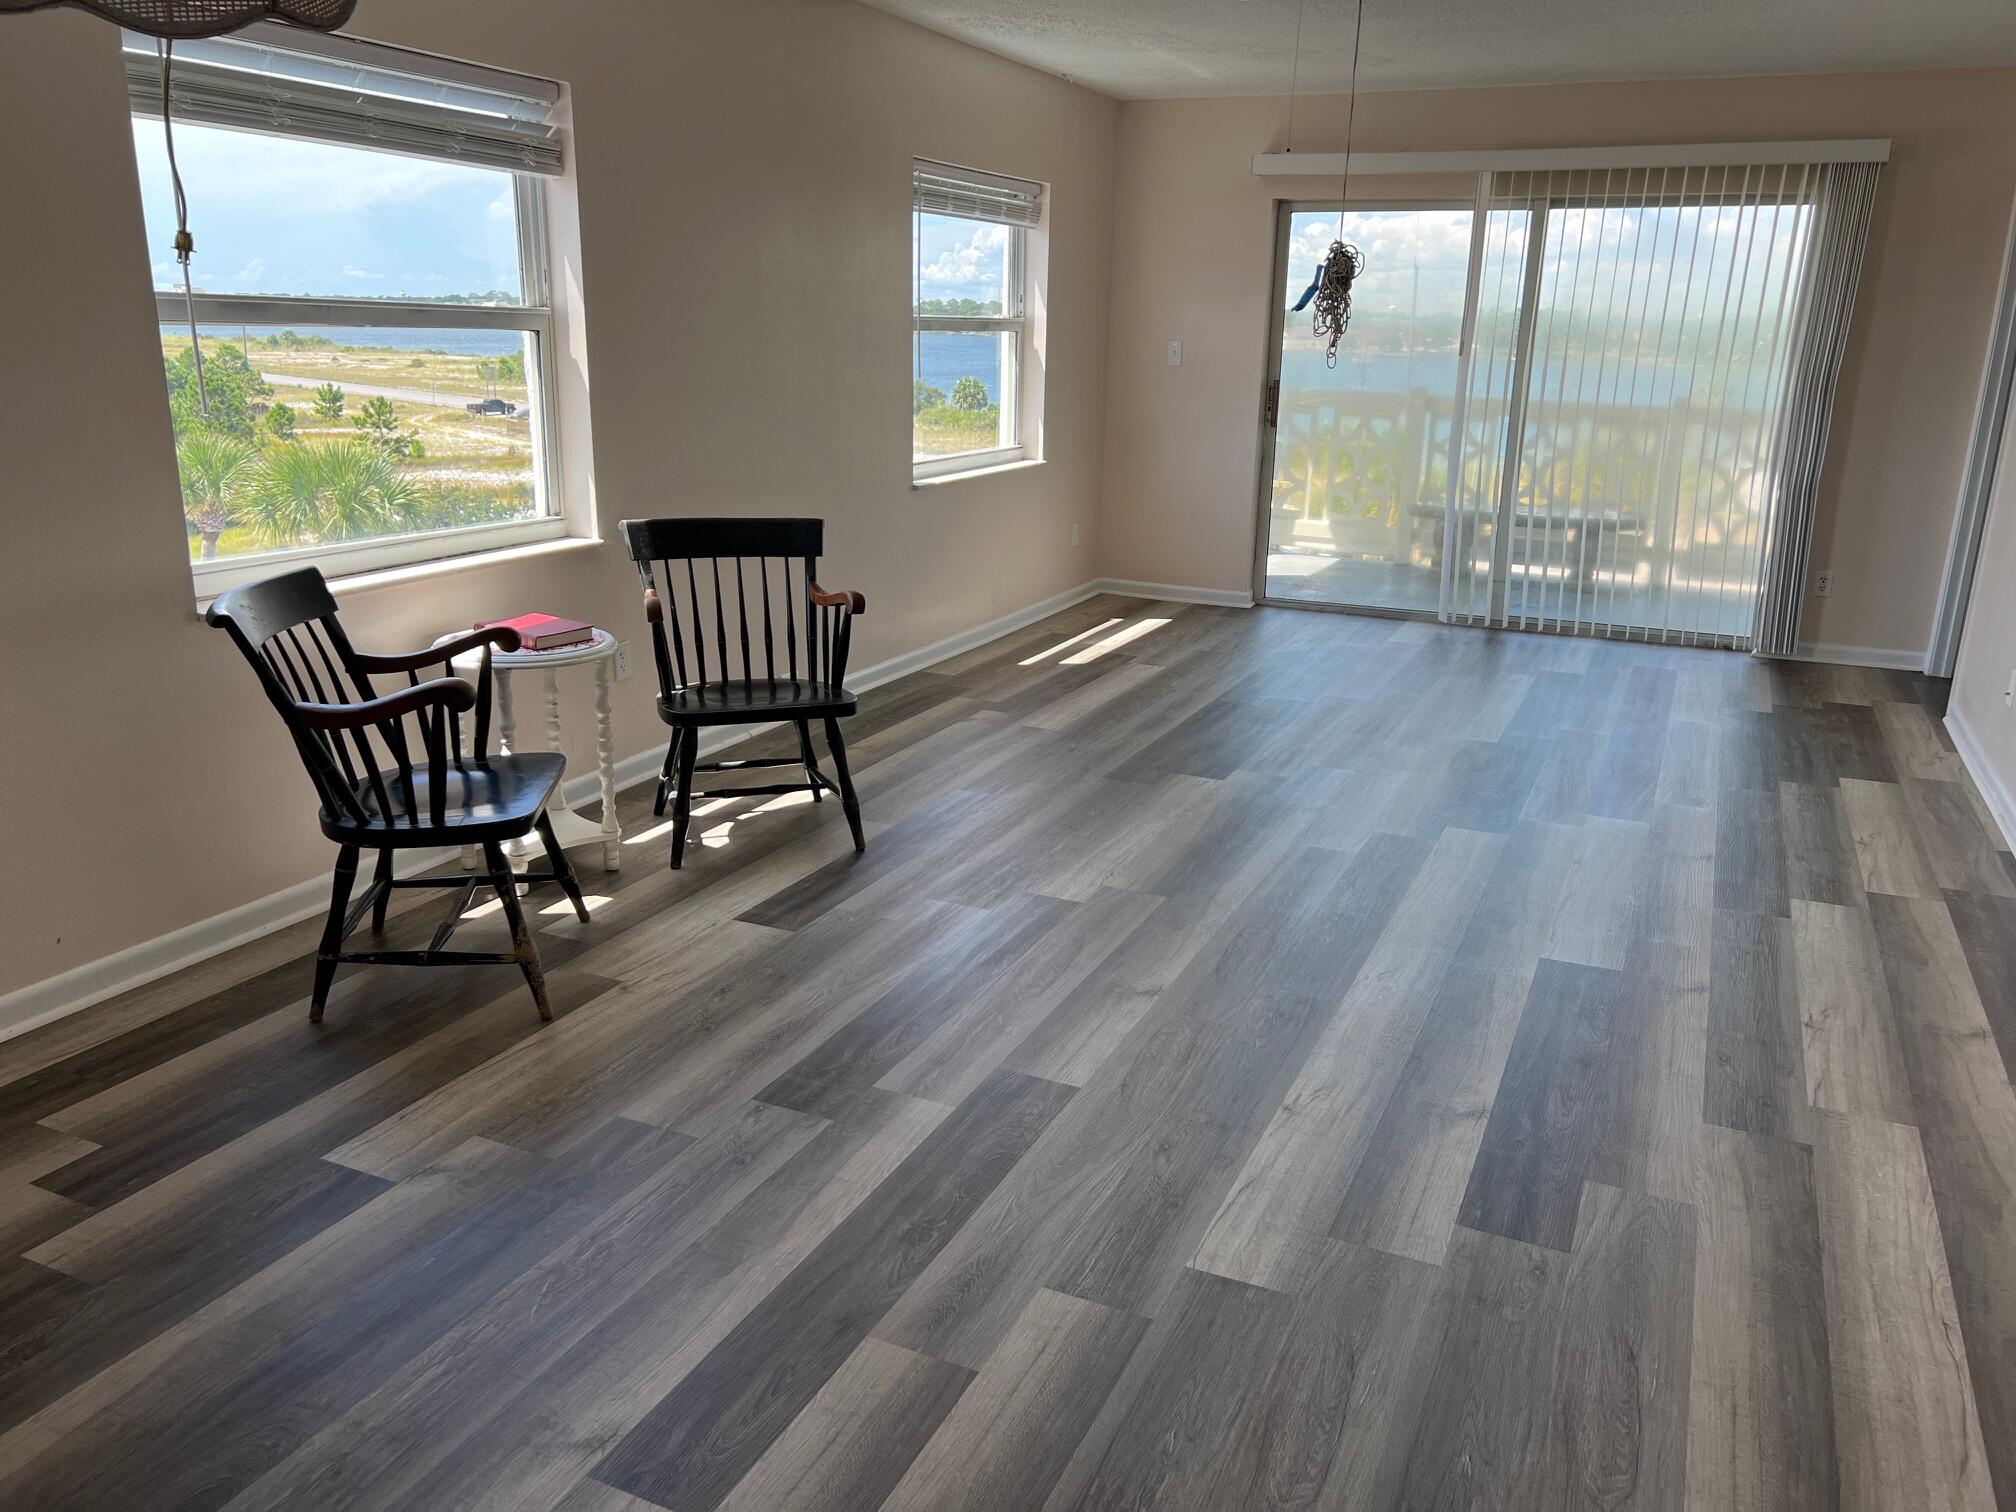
(1155, 48)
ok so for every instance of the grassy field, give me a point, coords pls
(475, 454)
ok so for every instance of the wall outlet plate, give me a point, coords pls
(1823, 584)
(622, 660)
(1074, 535)
(1175, 354)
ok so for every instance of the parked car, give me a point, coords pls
(502, 407)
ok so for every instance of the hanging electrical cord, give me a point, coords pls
(185, 244)
(1343, 265)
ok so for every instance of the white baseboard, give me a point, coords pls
(1224, 598)
(55, 997)
(2001, 802)
(1862, 656)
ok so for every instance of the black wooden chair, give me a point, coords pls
(288, 630)
(721, 577)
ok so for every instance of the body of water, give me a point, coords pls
(455, 343)
(1615, 382)
(944, 357)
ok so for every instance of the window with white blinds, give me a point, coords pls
(969, 234)
(363, 94)
(360, 368)
(1644, 396)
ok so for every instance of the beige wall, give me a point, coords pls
(1981, 683)
(742, 193)
(1193, 248)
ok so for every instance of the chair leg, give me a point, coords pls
(506, 884)
(849, 804)
(563, 872)
(682, 803)
(382, 880)
(332, 932)
(811, 761)
(666, 776)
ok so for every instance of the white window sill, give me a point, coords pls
(995, 471)
(438, 567)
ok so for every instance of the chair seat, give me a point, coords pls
(751, 702)
(497, 799)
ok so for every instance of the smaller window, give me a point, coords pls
(968, 316)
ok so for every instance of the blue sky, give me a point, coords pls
(278, 216)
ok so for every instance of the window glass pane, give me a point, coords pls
(279, 216)
(960, 377)
(1361, 449)
(962, 267)
(322, 434)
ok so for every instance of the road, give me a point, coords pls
(372, 391)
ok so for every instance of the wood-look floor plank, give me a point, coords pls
(1297, 1176)
(853, 1441)
(1527, 1182)
(701, 1439)
(1756, 1072)
(1904, 1411)
(1966, 1116)
(1821, 864)
(1750, 873)
(1986, 927)
(1954, 835)
(1853, 1061)
(1761, 1435)
(1012, 1433)
(1886, 842)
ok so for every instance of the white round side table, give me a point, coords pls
(568, 827)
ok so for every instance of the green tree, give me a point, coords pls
(329, 402)
(217, 470)
(380, 423)
(329, 491)
(927, 397)
(280, 420)
(230, 385)
(969, 394)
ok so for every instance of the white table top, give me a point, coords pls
(604, 644)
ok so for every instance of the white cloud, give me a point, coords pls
(351, 270)
(976, 260)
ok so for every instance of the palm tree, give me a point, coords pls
(330, 491)
(216, 473)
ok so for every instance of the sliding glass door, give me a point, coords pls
(1360, 458)
(1556, 409)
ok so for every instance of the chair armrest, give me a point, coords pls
(503, 637)
(455, 694)
(845, 598)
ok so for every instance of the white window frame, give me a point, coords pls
(533, 317)
(1012, 324)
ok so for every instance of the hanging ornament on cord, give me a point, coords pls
(1330, 290)
(165, 20)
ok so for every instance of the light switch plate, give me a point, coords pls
(1175, 354)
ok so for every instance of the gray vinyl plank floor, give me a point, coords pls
(1281, 1060)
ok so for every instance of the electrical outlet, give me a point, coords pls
(622, 660)
(1823, 584)
(2009, 693)
(1074, 535)
(1175, 354)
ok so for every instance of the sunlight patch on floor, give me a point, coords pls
(1113, 642)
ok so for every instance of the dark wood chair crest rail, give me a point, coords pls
(732, 604)
(438, 790)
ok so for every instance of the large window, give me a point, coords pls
(969, 325)
(370, 300)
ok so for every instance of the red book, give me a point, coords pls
(545, 632)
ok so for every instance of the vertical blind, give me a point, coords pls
(1642, 405)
